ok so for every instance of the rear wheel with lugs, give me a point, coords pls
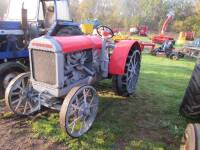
(190, 106)
(125, 85)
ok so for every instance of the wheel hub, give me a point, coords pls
(84, 111)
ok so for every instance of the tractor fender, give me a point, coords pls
(120, 54)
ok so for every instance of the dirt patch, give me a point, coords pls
(15, 133)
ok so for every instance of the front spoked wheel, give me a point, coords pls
(79, 110)
(20, 97)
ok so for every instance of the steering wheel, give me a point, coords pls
(105, 32)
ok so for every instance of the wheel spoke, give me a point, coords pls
(75, 121)
(30, 105)
(19, 103)
(15, 101)
(72, 111)
(84, 97)
(23, 83)
(84, 121)
(82, 124)
(25, 107)
(73, 127)
(15, 93)
(91, 101)
(77, 107)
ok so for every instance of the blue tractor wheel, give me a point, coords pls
(8, 71)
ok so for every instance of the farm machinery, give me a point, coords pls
(26, 20)
(63, 70)
(192, 49)
(160, 39)
(167, 50)
(141, 30)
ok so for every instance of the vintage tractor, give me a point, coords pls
(26, 20)
(63, 71)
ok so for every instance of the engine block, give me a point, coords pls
(80, 65)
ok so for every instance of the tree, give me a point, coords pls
(127, 13)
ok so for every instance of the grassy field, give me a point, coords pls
(149, 120)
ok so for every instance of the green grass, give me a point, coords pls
(149, 120)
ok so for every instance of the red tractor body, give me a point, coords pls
(117, 59)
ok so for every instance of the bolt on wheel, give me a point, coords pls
(79, 110)
(20, 97)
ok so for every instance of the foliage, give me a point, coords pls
(127, 13)
(191, 22)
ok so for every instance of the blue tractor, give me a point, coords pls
(25, 20)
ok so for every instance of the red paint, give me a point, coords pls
(119, 56)
(104, 33)
(143, 30)
(160, 39)
(166, 23)
(77, 43)
(146, 44)
(42, 45)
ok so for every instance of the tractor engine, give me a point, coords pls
(55, 70)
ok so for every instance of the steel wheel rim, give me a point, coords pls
(19, 96)
(81, 111)
(133, 71)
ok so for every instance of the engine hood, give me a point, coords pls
(10, 27)
(67, 44)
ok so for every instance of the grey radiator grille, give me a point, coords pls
(44, 66)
